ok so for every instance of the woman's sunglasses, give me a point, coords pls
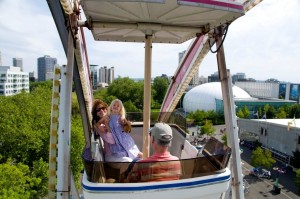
(99, 109)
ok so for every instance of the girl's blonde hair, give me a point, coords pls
(122, 111)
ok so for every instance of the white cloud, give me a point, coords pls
(263, 44)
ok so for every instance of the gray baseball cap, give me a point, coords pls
(162, 131)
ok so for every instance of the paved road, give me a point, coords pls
(263, 188)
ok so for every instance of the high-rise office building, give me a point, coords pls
(111, 75)
(180, 56)
(46, 67)
(94, 77)
(106, 75)
(13, 80)
(31, 76)
(195, 79)
(214, 77)
(18, 62)
(238, 77)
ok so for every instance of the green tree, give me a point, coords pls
(126, 89)
(40, 171)
(262, 158)
(130, 107)
(297, 179)
(25, 127)
(17, 182)
(122, 88)
(207, 129)
(100, 94)
(243, 112)
(240, 113)
(296, 159)
(45, 84)
(281, 113)
(199, 117)
(224, 138)
(294, 111)
(160, 85)
(270, 111)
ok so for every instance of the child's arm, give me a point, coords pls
(108, 137)
(126, 125)
(104, 131)
(104, 121)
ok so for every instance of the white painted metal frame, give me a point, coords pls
(64, 130)
(230, 119)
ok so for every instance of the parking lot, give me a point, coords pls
(262, 188)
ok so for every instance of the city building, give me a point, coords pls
(238, 76)
(94, 76)
(214, 77)
(46, 67)
(280, 136)
(271, 90)
(209, 97)
(203, 80)
(195, 79)
(18, 62)
(106, 75)
(13, 80)
(32, 77)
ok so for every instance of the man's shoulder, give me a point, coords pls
(159, 158)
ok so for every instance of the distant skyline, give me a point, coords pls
(263, 44)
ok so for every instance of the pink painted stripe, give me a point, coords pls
(214, 3)
(178, 77)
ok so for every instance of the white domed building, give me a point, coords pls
(209, 97)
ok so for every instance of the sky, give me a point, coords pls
(263, 44)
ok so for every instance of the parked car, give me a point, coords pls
(259, 172)
(248, 144)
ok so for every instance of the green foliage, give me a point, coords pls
(262, 158)
(281, 113)
(160, 86)
(16, 181)
(75, 105)
(40, 171)
(296, 159)
(199, 117)
(294, 111)
(243, 112)
(297, 179)
(122, 88)
(77, 144)
(207, 129)
(270, 111)
(45, 84)
(25, 127)
(240, 114)
(224, 138)
(100, 94)
(130, 107)
(126, 89)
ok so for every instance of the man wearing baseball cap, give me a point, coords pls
(161, 165)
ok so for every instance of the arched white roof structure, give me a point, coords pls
(203, 97)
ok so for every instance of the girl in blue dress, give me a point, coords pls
(124, 149)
